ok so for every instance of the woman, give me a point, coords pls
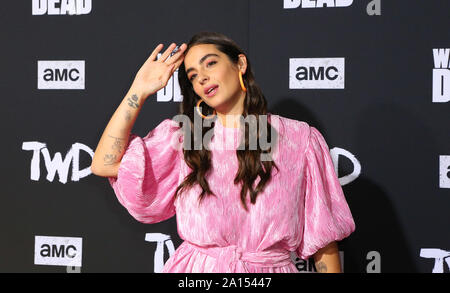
(235, 211)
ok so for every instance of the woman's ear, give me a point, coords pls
(242, 63)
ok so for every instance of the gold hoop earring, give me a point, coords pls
(200, 112)
(242, 82)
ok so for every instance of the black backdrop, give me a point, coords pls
(384, 117)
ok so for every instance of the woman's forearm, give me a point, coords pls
(327, 259)
(151, 77)
(111, 146)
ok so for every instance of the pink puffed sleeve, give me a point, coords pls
(326, 214)
(149, 173)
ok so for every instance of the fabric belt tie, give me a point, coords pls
(229, 257)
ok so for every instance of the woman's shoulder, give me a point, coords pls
(166, 130)
(289, 126)
(165, 123)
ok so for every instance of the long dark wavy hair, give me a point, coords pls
(250, 164)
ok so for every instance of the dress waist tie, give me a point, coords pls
(228, 257)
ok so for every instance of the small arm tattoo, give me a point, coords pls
(321, 267)
(109, 159)
(133, 101)
(128, 115)
(118, 144)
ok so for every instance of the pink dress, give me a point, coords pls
(302, 209)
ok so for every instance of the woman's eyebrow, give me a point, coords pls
(201, 61)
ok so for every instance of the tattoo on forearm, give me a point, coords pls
(133, 101)
(128, 115)
(109, 159)
(321, 267)
(118, 144)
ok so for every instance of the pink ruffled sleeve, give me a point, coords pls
(326, 214)
(149, 173)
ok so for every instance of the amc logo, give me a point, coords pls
(60, 74)
(58, 251)
(316, 73)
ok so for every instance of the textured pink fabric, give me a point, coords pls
(302, 209)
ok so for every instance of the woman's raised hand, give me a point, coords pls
(154, 74)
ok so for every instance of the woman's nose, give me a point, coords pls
(203, 79)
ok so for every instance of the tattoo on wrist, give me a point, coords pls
(133, 101)
(321, 267)
(109, 159)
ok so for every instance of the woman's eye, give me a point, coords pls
(194, 75)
